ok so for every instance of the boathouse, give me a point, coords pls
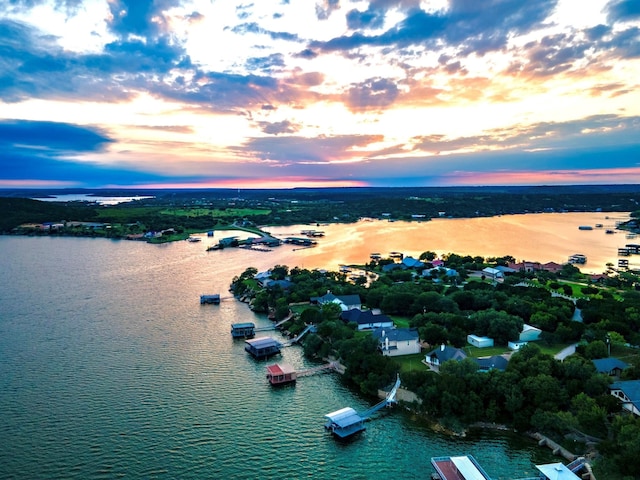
(459, 468)
(243, 330)
(344, 422)
(214, 298)
(281, 374)
(263, 347)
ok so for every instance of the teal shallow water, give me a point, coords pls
(112, 369)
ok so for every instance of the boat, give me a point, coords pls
(194, 239)
(609, 232)
(585, 227)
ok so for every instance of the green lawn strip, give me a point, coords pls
(411, 362)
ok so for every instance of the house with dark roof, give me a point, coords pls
(495, 362)
(628, 392)
(366, 319)
(345, 302)
(444, 353)
(397, 341)
(611, 366)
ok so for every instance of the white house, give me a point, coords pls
(480, 342)
(529, 333)
(397, 341)
(492, 273)
(345, 302)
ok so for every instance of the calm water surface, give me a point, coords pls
(111, 367)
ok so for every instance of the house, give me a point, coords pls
(389, 267)
(437, 263)
(410, 262)
(552, 267)
(529, 333)
(525, 266)
(492, 273)
(345, 302)
(628, 392)
(480, 342)
(444, 353)
(283, 284)
(397, 341)
(495, 362)
(366, 319)
(611, 366)
(261, 277)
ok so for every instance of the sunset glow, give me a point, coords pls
(193, 93)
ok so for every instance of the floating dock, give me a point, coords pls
(213, 298)
(281, 374)
(263, 347)
(243, 330)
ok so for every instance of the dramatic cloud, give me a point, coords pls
(383, 92)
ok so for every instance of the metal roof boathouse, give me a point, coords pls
(263, 347)
(243, 330)
(344, 422)
(459, 468)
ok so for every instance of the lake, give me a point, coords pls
(112, 368)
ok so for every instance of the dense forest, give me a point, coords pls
(568, 400)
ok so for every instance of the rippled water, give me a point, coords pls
(110, 368)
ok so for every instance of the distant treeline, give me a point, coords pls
(304, 206)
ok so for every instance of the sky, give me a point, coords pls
(318, 93)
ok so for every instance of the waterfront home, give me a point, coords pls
(480, 342)
(345, 302)
(492, 273)
(611, 366)
(366, 319)
(444, 353)
(262, 277)
(628, 392)
(397, 341)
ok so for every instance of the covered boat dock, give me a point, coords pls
(459, 468)
(344, 422)
(281, 373)
(263, 347)
(243, 330)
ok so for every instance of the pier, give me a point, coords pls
(346, 422)
(283, 373)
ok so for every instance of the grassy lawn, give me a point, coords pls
(410, 363)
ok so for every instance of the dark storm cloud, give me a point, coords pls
(473, 26)
(623, 10)
(48, 151)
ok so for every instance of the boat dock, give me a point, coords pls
(281, 373)
(243, 330)
(213, 298)
(466, 467)
(262, 347)
(346, 422)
